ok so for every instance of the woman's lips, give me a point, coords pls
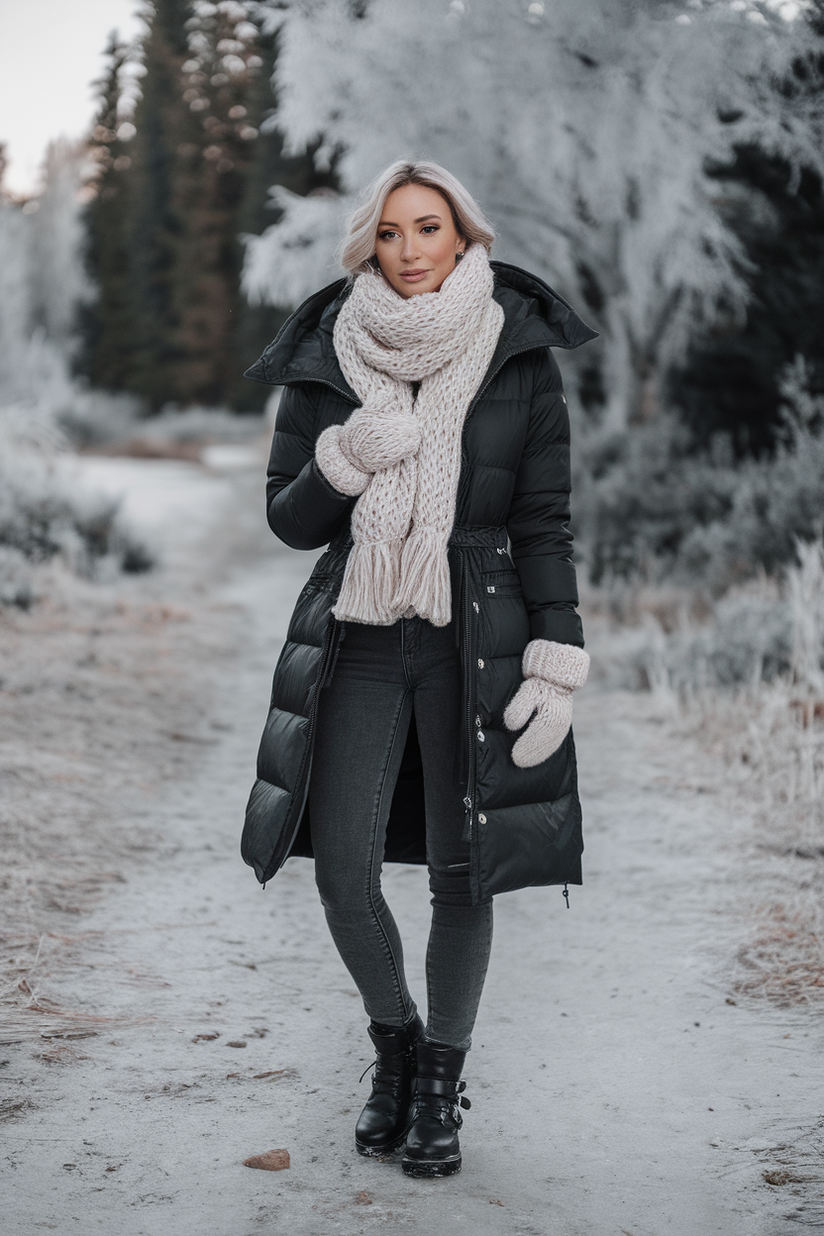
(414, 276)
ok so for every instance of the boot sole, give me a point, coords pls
(437, 1167)
(380, 1152)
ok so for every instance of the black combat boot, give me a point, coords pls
(384, 1120)
(432, 1146)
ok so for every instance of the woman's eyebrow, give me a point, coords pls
(423, 218)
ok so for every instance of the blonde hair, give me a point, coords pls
(357, 250)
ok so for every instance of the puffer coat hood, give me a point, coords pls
(512, 581)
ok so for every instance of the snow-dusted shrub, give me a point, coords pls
(681, 641)
(198, 425)
(748, 640)
(650, 506)
(771, 735)
(96, 418)
(42, 516)
(17, 586)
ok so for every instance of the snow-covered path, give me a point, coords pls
(615, 1088)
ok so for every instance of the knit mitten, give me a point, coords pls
(552, 672)
(371, 440)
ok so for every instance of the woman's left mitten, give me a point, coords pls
(552, 671)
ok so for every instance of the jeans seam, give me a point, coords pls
(370, 881)
(403, 630)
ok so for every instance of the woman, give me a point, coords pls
(423, 429)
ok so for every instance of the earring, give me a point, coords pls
(459, 255)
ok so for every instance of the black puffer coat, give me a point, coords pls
(524, 824)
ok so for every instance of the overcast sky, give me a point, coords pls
(50, 53)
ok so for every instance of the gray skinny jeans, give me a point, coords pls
(382, 676)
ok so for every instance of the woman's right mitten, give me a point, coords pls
(371, 440)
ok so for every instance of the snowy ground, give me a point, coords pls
(616, 1086)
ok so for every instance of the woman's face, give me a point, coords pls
(417, 240)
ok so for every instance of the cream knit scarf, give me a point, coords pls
(402, 521)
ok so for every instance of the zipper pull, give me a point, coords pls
(566, 895)
(467, 830)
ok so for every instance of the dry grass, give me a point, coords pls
(784, 962)
(774, 751)
(772, 738)
(770, 735)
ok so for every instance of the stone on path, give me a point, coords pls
(271, 1161)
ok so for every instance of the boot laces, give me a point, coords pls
(376, 1065)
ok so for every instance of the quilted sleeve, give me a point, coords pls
(303, 509)
(538, 520)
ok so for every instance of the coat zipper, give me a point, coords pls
(469, 800)
(325, 382)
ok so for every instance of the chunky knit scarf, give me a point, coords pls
(400, 453)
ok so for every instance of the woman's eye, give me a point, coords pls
(430, 227)
(386, 235)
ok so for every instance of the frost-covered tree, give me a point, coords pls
(212, 170)
(59, 283)
(15, 298)
(221, 194)
(730, 378)
(583, 126)
(270, 165)
(41, 279)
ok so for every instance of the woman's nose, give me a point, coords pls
(408, 248)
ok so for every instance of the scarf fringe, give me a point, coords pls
(371, 576)
(424, 583)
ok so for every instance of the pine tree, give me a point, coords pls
(107, 322)
(169, 322)
(229, 86)
(210, 191)
(164, 151)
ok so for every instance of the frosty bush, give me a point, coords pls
(768, 631)
(43, 516)
(653, 507)
(96, 418)
(16, 579)
(749, 640)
